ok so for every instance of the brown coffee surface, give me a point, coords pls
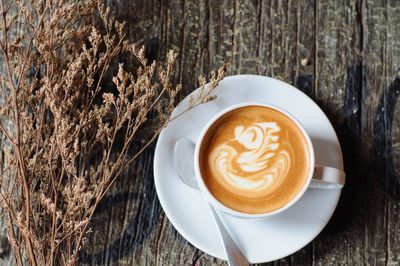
(254, 159)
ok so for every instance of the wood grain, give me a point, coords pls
(337, 86)
(382, 85)
(343, 54)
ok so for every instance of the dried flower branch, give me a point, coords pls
(66, 134)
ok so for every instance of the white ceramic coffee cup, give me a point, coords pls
(322, 177)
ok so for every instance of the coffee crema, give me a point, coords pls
(254, 159)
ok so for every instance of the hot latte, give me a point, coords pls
(254, 159)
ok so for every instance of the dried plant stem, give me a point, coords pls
(19, 153)
(5, 132)
(17, 253)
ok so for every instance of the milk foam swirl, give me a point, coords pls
(254, 159)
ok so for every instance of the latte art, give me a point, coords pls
(253, 159)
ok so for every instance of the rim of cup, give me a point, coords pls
(220, 206)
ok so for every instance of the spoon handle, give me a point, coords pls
(233, 254)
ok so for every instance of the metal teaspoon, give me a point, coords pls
(183, 154)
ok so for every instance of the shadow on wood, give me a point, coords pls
(142, 213)
(353, 196)
(383, 134)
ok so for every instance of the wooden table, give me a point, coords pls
(344, 54)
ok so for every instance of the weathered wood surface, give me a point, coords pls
(353, 54)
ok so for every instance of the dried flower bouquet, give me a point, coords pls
(66, 132)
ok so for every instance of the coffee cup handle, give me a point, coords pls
(327, 178)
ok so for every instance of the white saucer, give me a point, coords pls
(264, 240)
